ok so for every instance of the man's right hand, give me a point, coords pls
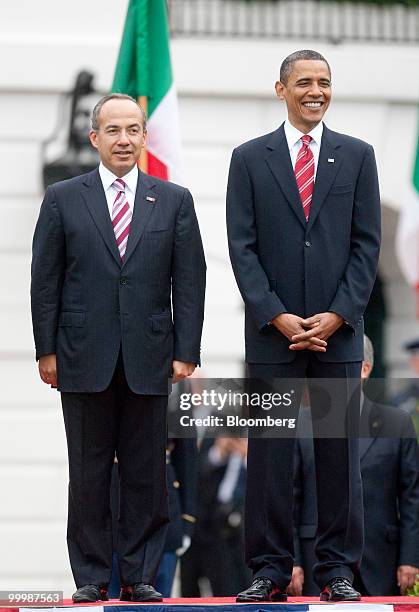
(47, 366)
(295, 587)
(290, 325)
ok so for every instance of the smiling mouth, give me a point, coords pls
(122, 153)
(313, 104)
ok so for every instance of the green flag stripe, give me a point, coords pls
(142, 48)
(143, 66)
(416, 169)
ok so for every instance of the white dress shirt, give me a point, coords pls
(131, 179)
(293, 137)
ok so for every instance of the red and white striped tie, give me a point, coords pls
(304, 174)
(121, 217)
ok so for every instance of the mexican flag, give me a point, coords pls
(407, 236)
(144, 69)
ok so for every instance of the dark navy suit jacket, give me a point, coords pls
(86, 305)
(283, 263)
(390, 479)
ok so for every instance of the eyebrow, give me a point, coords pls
(324, 79)
(111, 126)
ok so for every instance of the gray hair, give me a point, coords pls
(368, 351)
(305, 54)
(114, 96)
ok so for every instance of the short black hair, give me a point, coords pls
(305, 54)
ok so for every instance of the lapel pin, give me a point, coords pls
(150, 199)
(331, 160)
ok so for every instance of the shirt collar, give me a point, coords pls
(293, 135)
(108, 177)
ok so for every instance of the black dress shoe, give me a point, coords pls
(339, 589)
(262, 589)
(89, 593)
(140, 592)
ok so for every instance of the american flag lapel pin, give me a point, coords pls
(150, 199)
(331, 160)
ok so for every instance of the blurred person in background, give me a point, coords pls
(408, 398)
(216, 552)
(390, 480)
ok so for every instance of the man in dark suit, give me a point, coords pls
(114, 250)
(390, 480)
(303, 217)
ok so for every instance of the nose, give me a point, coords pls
(123, 137)
(316, 89)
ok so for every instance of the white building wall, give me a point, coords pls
(226, 97)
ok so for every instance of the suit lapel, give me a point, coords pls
(95, 199)
(370, 426)
(326, 173)
(145, 201)
(279, 162)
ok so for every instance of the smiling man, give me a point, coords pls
(303, 220)
(118, 282)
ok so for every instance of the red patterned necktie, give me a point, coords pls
(121, 217)
(304, 174)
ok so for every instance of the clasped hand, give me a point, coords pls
(312, 333)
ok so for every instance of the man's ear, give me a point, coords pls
(279, 88)
(366, 370)
(93, 138)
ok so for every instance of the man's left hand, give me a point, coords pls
(182, 369)
(406, 577)
(321, 325)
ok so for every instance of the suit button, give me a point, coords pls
(307, 243)
(123, 280)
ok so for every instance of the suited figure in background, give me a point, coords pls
(118, 281)
(408, 397)
(303, 219)
(216, 553)
(390, 479)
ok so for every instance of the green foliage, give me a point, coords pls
(414, 591)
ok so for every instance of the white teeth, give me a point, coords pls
(312, 104)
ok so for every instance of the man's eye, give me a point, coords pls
(111, 131)
(133, 131)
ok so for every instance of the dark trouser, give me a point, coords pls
(308, 545)
(269, 499)
(98, 425)
(219, 560)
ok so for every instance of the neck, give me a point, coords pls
(119, 173)
(305, 129)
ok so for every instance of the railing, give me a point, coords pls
(289, 19)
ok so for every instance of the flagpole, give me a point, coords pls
(143, 161)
